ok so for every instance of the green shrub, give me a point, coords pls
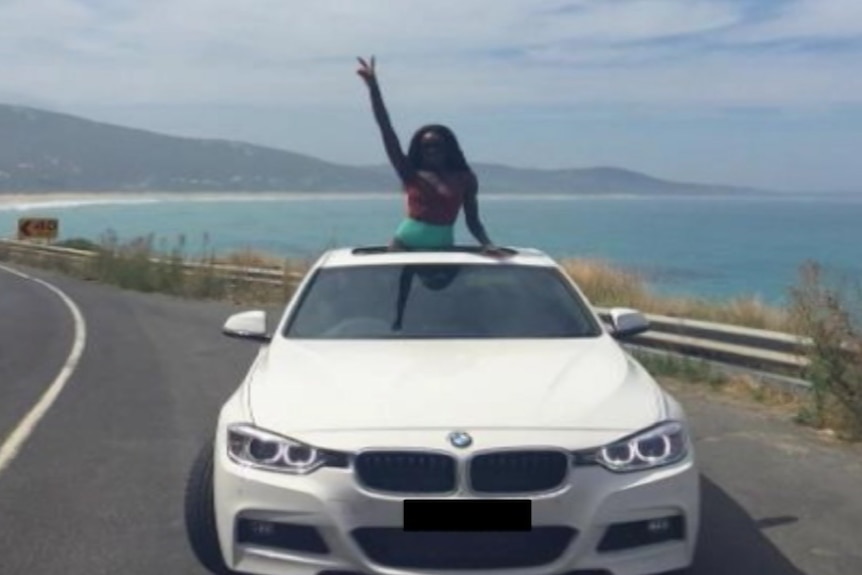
(827, 310)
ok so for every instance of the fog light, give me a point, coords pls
(621, 536)
(658, 526)
(290, 537)
(261, 528)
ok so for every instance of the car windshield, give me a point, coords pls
(440, 301)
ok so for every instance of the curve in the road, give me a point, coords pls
(100, 484)
(16, 439)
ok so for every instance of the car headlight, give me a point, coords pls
(664, 444)
(248, 445)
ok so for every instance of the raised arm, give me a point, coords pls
(390, 138)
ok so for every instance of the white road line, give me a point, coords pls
(13, 443)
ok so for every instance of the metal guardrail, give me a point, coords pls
(757, 349)
(777, 353)
(243, 273)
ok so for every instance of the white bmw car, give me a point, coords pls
(439, 412)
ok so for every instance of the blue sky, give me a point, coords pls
(754, 92)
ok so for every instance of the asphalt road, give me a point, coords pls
(97, 488)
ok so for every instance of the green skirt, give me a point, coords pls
(415, 234)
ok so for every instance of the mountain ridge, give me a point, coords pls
(45, 151)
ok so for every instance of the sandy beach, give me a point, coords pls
(50, 198)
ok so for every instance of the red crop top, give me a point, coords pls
(435, 199)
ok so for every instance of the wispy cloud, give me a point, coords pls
(449, 50)
(806, 20)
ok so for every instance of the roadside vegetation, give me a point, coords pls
(146, 265)
(822, 308)
(687, 373)
(828, 309)
(607, 286)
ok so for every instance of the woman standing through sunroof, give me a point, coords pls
(435, 177)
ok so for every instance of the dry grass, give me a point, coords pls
(689, 376)
(741, 388)
(746, 387)
(609, 286)
(247, 258)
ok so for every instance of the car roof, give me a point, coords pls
(382, 255)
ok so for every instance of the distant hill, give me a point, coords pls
(42, 151)
(598, 180)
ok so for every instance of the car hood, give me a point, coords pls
(588, 384)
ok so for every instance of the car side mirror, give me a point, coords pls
(626, 322)
(247, 325)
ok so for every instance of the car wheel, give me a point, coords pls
(200, 514)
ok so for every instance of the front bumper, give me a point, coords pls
(322, 510)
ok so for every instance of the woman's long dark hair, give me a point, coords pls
(455, 160)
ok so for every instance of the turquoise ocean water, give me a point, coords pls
(715, 247)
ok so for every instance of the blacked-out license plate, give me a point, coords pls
(467, 514)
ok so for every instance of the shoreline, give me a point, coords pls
(18, 201)
(21, 201)
(69, 200)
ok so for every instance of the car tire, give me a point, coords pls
(200, 514)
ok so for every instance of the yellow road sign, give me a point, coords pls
(38, 228)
